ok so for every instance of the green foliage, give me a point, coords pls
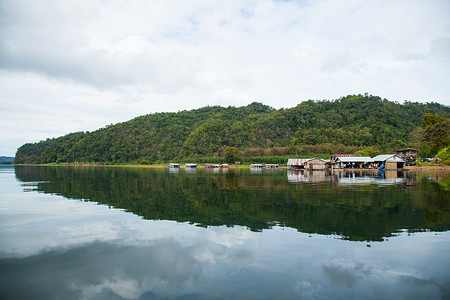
(231, 154)
(431, 119)
(204, 160)
(344, 125)
(435, 134)
(444, 154)
(145, 162)
(369, 151)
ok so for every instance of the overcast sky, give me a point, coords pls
(71, 65)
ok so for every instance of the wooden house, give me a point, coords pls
(354, 162)
(335, 156)
(257, 166)
(389, 161)
(211, 166)
(297, 163)
(315, 164)
(408, 154)
(271, 166)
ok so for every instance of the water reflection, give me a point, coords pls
(256, 170)
(174, 170)
(356, 206)
(348, 177)
(190, 170)
(166, 268)
(296, 176)
(52, 248)
(369, 177)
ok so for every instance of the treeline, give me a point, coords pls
(344, 125)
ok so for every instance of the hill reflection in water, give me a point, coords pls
(354, 205)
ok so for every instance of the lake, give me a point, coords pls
(148, 233)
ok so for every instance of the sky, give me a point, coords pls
(79, 65)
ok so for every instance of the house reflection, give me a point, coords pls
(368, 177)
(350, 177)
(295, 176)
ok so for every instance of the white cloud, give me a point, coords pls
(106, 62)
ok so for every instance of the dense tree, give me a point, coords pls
(435, 134)
(369, 151)
(344, 125)
(231, 154)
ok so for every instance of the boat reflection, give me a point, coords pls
(174, 170)
(256, 170)
(190, 170)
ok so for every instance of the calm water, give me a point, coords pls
(132, 233)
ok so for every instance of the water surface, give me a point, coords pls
(140, 233)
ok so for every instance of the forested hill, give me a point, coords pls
(352, 121)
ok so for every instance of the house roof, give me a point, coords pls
(362, 159)
(315, 158)
(297, 161)
(301, 161)
(388, 158)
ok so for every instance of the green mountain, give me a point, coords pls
(351, 121)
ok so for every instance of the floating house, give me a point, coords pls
(297, 163)
(315, 164)
(174, 165)
(352, 162)
(389, 162)
(190, 165)
(272, 166)
(212, 166)
(306, 163)
(408, 154)
(335, 156)
(257, 166)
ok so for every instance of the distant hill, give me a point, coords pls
(351, 121)
(6, 160)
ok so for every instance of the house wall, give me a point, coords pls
(391, 165)
(407, 153)
(315, 165)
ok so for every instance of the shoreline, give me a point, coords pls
(427, 168)
(158, 166)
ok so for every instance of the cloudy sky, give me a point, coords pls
(71, 65)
